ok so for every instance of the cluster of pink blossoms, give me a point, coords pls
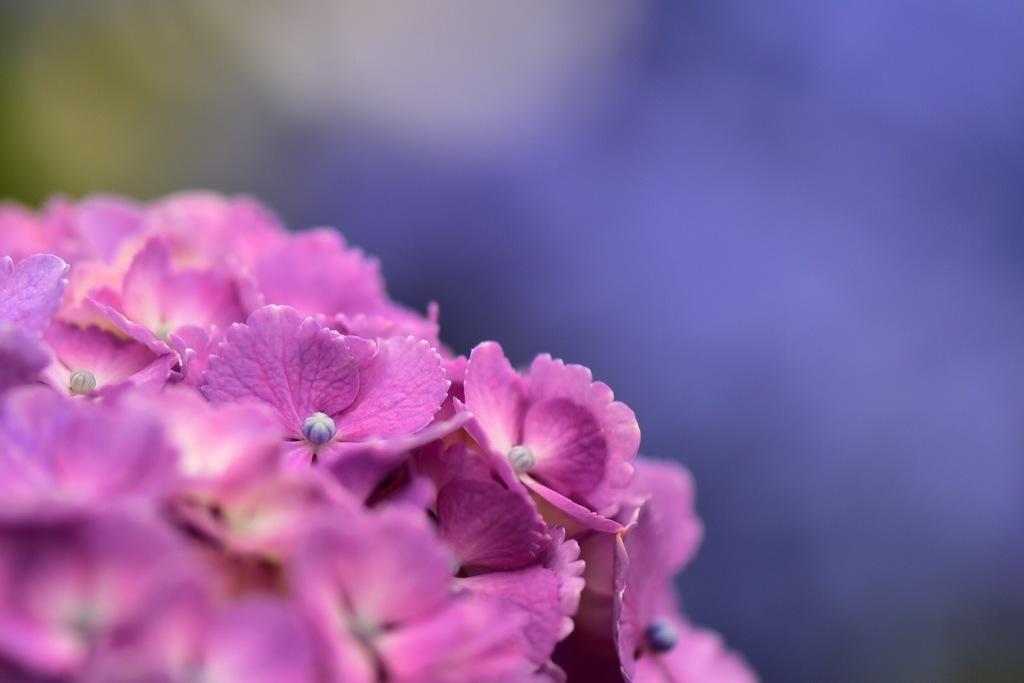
(226, 455)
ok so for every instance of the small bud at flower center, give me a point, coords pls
(661, 635)
(319, 428)
(522, 458)
(81, 382)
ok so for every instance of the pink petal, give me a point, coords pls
(142, 291)
(553, 379)
(316, 273)
(488, 525)
(668, 521)
(361, 466)
(31, 291)
(205, 228)
(103, 224)
(535, 594)
(56, 448)
(563, 557)
(468, 642)
(383, 567)
(110, 358)
(568, 444)
(107, 303)
(495, 395)
(295, 366)
(400, 389)
(22, 356)
(561, 511)
(259, 640)
(700, 656)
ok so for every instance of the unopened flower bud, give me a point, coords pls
(661, 635)
(81, 382)
(319, 428)
(522, 458)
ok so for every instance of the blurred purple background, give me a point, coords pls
(791, 238)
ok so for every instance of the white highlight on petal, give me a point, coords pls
(319, 428)
(522, 458)
(81, 382)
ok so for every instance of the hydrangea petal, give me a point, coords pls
(469, 642)
(400, 389)
(315, 273)
(535, 593)
(560, 510)
(361, 467)
(568, 444)
(72, 583)
(110, 359)
(22, 356)
(488, 525)
(403, 579)
(553, 379)
(563, 557)
(31, 291)
(54, 448)
(496, 396)
(294, 365)
(204, 228)
(700, 656)
(259, 640)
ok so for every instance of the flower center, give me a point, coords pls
(661, 635)
(81, 382)
(319, 428)
(522, 458)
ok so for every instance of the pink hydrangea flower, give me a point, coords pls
(91, 359)
(554, 429)
(326, 389)
(155, 299)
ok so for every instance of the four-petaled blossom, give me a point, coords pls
(555, 429)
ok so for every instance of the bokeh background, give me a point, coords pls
(790, 235)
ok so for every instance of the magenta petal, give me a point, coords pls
(568, 445)
(488, 525)
(295, 366)
(469, 642)
(22, 356)
(52, 447)
(203, 228)
(30, 292)
(700, 656)
(535, 593)
(111, 359)
(668, 524)
(106, 302)
(563, 557)
(400, 389)
(104, 223)
(557, 509)
(553, 379)
(495, 395)
(70, 585)
(361, 467)
(316, 273)
(207, 298)
(259, 640)
(380, 567)
(142, 289)
(221, 443)
(195, 345)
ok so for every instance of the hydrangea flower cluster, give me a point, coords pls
(227, 455)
